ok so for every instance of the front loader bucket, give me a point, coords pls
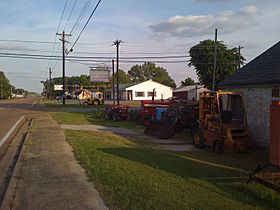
(160, 130)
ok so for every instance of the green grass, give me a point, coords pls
(133, 177)
(91, 118)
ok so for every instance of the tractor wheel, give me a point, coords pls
(218, 146)
(198, 139)
(115, 117)
(179, 128)
(96, 102)
(85, 103)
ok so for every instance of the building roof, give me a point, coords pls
(187, 88)
(148, 81)
(263, 70)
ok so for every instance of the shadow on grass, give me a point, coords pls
(172, 163)
(228, 181)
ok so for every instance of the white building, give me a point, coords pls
(144, 91)
(190, 92)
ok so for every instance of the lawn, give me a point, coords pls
(130, 176)
(91, 118)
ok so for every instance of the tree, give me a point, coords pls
(84, 80)
(141, 73)
(202, 59)
(188, 81)
(5, 87)
(124, 78)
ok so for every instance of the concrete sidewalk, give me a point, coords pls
(50, 177)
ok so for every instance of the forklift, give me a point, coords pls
(222, 122)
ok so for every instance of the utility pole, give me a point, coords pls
(2, 91)
(117, 43)
(215, 59)
(50, 81)
(63, 35)
(113, 77)
(239, 57)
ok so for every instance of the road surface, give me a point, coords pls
(12, 110)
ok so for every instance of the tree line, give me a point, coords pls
(6, 89)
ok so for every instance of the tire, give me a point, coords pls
(114, 117)
(218, 146)
(107, 115)
(95, 102)
(198, 139)
(85, 103)
(179, 128)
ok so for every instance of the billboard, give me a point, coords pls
(99, 75)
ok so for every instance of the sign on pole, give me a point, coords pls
(58, 87)
(99, 75)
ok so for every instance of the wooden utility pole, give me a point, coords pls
(113, 77)
(117, 43)
(239, 57)
(63, 35)
(50, 82)
(215, 59)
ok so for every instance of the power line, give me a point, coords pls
(27, 41)
(55, 38)
(85, 25)
(70, 14)
(84, 9)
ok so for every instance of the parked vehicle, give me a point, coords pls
(95, 98)
(222, 122)
(175, 118)
(117, 112)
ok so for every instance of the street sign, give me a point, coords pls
(58, 87)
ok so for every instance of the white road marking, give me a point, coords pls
(2, 141)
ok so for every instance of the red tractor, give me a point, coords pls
(117, 112)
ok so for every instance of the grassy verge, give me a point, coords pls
(132, 177)
(91, 118)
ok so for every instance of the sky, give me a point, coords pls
(146, 27)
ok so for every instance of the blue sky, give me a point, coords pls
(145, 26)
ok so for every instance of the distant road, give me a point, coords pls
(12, 110)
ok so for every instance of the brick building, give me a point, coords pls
(260, 82)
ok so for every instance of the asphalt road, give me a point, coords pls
(12, 110)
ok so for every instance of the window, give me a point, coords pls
(139, 94)
(275, 92)
(150, 94)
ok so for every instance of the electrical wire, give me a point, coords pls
(75, 2)
(96, 6)
(84, 9)
(55, 38)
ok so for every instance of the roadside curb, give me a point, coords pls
(16, 168)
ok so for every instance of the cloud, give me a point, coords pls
(189, 26)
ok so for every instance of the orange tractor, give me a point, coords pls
(222, 122)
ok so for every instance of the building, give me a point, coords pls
(190, 92)
(144, 91)
(260, 82)
(122, 92)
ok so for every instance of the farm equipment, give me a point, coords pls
(148, 110)
(172, 119)
(117, 112)
(269, 174)
(94, 98)
(222, 122)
